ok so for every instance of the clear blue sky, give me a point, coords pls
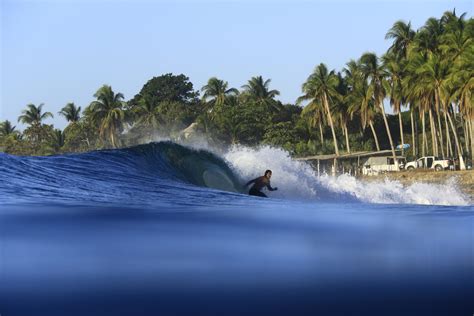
(55, 52)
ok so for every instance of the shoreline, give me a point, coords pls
(464, 179)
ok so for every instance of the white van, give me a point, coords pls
(376, 165)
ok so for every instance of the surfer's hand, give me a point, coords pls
(275, 188)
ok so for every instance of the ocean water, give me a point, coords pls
(164, 229)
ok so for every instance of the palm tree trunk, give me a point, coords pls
(462, 166)
(375, 135)
(471, 131)
(466, 135)
(389, 136)
(423, 127)
(401, 128)
(321, 132)
(437, 107)
(112, 139)
(326, 103)
(449, 147)
(440, 129)
(434, 143)
(347, 138)
(413, 133)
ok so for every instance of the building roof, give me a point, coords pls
(350, 156)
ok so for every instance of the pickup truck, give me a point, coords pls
(429, 162)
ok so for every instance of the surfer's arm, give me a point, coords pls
(269, 187)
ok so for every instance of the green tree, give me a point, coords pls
(403, 36)
(360, 100)
(395, 72)
(258, 90)
(71, 113)
(167, 88)
(216, 92)
(34, 116)
(375, 73)
(7, 129)
(319, 88)
(107, 112)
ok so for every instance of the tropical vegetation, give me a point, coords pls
(425, 78)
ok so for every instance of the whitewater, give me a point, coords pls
(168, 229)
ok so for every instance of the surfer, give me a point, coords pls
(259, 183)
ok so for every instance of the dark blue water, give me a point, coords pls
(162, 229)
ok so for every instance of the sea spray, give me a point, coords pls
(392, 191)
(298, 180)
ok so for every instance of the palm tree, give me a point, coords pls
(341, 107)
(57, 140)
(6, 128)
(403, 36)
(259, 91)
(33, 115)
(319, 88)
(461, 81)
(108, 113)
(71, 113)
(147, 113)
(360, 101)
(217, 91)
(315, 113)
(395, 72)
(375, 73)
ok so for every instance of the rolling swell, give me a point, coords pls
(143, 174)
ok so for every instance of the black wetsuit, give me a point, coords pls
(258, 184)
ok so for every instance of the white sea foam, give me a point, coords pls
(297, 179)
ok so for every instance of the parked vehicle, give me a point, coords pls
(375, 165)
(429, 162)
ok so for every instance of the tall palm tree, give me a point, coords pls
(455, 39)
(341, 107)
(461, 81)
(403, 36)
(70, 112)
(315, 113)
(360, 101)
(395, 71)
(6, 128)
(320, 87)
(259, 91)
(375, 73)
(217, 91)
(33, 115)
(108, 113)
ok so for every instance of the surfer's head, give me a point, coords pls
(268, 174)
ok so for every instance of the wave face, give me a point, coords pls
(167, 172)
(145, 174)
